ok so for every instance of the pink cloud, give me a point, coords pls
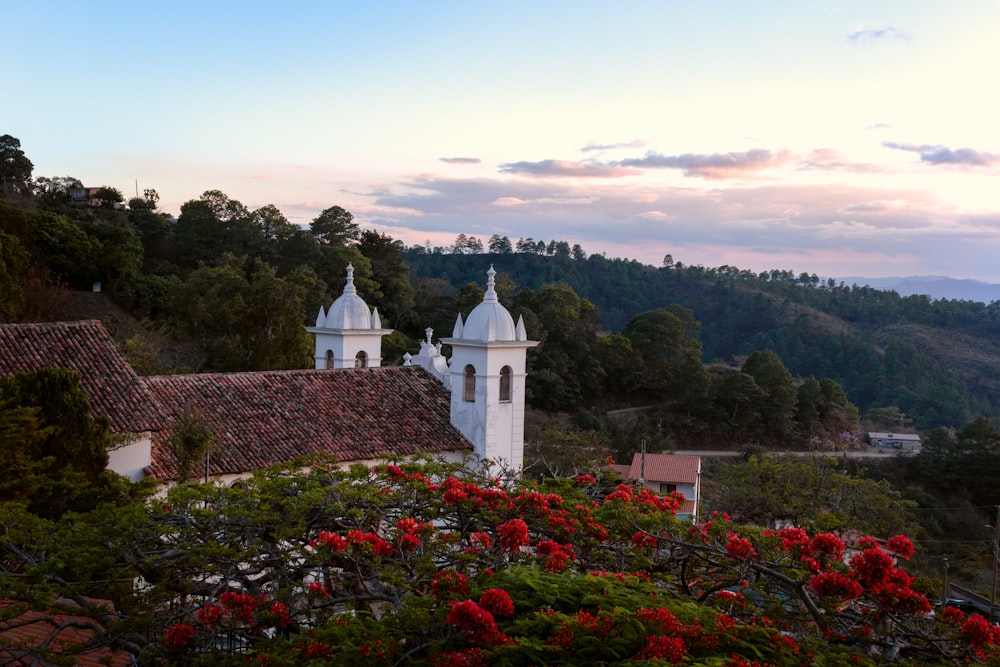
(713, 166)
(461, 160)
(565, 168)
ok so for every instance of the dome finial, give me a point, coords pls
(349, 288)
(491, 293)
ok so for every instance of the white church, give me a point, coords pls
(348, 406)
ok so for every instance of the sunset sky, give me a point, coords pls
(842, 138)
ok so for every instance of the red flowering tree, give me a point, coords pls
(424, 563)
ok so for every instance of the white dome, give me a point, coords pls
(349, 311)
(489, 321)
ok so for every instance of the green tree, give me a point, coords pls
(564, 372)
(56, 188)
(500, 245)
(335, 226)
(191, 442)
(394, 297)
(249, 318)
(15, 168)
(666, 341)
(55, 452)
(108, 197)
(810, 492)
(213, 225)
(120, 252)
(778, 408)
(737, 400)
(13, 259)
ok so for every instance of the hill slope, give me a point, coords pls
(938, 361)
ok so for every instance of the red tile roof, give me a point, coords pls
(30, 637)
(264, 418)
(113, 387)
(666, 468)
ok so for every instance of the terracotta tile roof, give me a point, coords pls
(109, 381)
(24, 634)
(265, 418)
(667, 468)
(621, 468)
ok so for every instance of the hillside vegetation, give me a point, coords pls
(223, 287)
(938, 361)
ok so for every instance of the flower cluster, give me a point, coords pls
(557, 556)
(461, 544)
(835, 584)
(513, 534)
(178, 636)
(369, 542)
(238, 607)
(449, 584)
(739, 548)
(497, 601)
(476, 623)
(660, 647)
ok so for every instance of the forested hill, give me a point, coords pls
(937, 360)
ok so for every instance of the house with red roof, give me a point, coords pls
(667, 473)
(113, 387)
(348, 406)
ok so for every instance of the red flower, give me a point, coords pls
(449, 584)
(497, 601)
(178, 636)
(371, 541)
(558, 555)
(658, 647)
(643, 540)
(280, 612)
(513, 534)
(477, 624)
(791, 538)
(470, 657)
(979, 631)
(332, 540)
(408, 525)
(585, 480)
(828, 545)
(901, 546)
(480, 540)
(240, 606)
(739, 548)
(835, 584)
(210, 615)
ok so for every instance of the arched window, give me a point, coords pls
(505, 384)
(329, 358)
(469, 386)
(361, 360)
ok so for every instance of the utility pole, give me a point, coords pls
(995, 549)
(642, 464)
(944, 600)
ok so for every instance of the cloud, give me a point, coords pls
(566, 169)
(635, 143)
(935, 154)
(461, 160)
(778, 225)
(825, 159)
(714, 166)
(871, 34)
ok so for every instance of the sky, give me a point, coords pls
(842, 138)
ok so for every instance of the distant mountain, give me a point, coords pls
(936, 287)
